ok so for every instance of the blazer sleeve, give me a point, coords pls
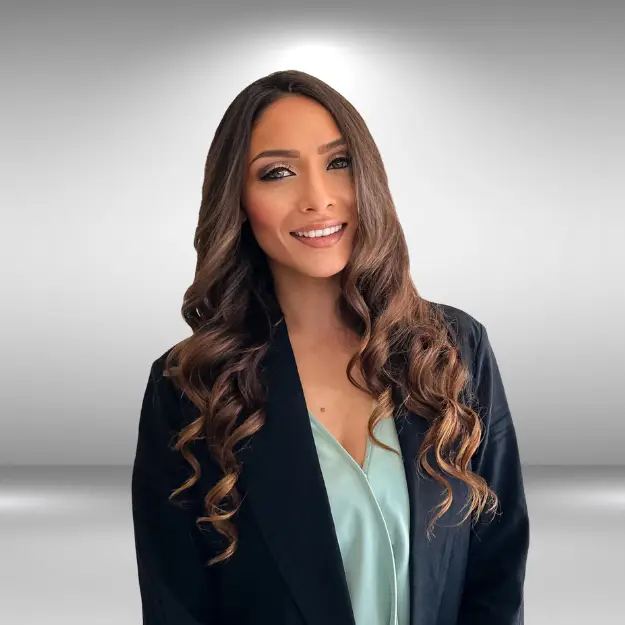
(498, 544)
(176, 587)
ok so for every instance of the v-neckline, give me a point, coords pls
(368, 447)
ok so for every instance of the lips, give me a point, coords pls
(319, 226)
(320, 242)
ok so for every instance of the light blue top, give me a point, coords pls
(371, 513)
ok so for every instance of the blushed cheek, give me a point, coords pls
(262, 216)
(266, 223)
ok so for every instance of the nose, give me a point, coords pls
(316, 191)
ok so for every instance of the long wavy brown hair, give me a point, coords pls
(406, 354)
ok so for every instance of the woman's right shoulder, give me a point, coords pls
(165, 383)
(165, 406)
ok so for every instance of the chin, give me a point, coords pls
(321, 271)
(311, 267)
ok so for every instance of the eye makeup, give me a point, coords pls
(265, 176)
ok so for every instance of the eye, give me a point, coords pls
(346, 159)
(269, 175)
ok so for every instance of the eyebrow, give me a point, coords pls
(322, 149)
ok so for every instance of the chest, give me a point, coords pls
(341, 407)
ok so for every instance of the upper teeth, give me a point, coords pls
(319, 233)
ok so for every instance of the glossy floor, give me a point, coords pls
(67, 550)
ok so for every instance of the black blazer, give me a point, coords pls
(288, 568)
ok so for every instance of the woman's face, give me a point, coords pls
(302, 191)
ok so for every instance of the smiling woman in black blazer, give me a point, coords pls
(327, 447)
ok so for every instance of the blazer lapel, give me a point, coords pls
(285, 489)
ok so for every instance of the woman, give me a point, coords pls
(341, 443)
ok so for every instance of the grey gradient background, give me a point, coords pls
(502, 129)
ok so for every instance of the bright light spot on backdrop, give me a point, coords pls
(338, 64)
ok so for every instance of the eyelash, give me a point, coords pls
(266, 177)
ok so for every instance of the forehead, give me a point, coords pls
(293, 122)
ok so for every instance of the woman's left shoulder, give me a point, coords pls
(465, 330)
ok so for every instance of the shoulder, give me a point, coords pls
(167, 410)
(158, 365)
(162, 385)
(486, 392)
(465, 330)
(179, 410)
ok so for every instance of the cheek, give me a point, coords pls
(263, 216)
(266, 221)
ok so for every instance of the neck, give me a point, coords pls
(309, 304)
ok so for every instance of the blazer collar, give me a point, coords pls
(284, 487)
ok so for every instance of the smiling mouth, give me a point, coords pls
(332, 229)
